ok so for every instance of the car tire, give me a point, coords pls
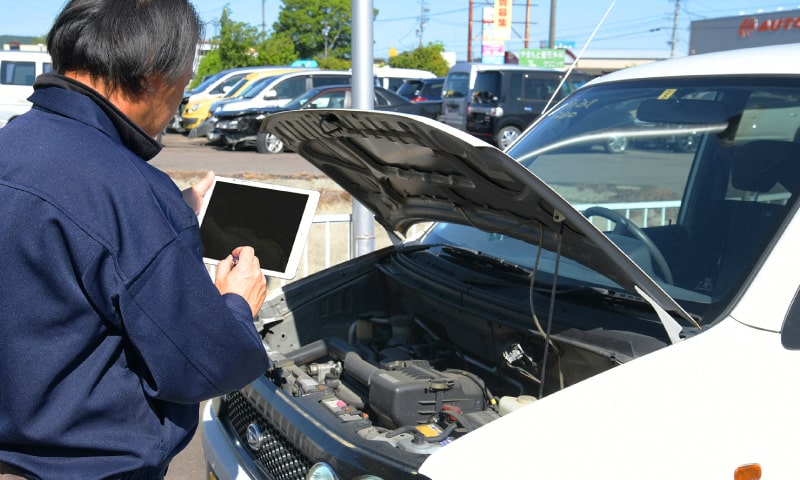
(616, 145)
(506, 135)
(268, 143)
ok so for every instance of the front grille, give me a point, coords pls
(277, 457)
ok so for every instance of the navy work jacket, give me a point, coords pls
(111, 330)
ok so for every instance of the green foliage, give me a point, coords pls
(333, 63)
(237, 43)
(423, 58)
(237, 46)
(305, 22)
(209, 65)
(278, 49)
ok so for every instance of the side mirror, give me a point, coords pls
(270, 94)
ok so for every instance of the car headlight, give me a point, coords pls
(193, 108)
(228, 124)
(321, 471)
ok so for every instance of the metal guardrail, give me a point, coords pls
(647, 213)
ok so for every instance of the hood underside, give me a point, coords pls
(408, 169)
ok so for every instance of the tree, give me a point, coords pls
(318, 28)
(423, 58)
(237, 45)
(333, 63)
(278, 49)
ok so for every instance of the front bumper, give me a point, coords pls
(224, 459)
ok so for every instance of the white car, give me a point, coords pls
(570, 313)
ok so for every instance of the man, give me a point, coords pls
(111, 331)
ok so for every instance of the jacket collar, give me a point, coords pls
(130, 134)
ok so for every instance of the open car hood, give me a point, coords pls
(408, 169)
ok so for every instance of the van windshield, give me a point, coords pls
(456, 85)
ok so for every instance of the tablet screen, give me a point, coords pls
(274, 220)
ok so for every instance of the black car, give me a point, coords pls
(505, 101)
(241, 128)
(422, 89)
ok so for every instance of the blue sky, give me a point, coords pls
(632, 24)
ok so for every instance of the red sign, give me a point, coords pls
(749, 26)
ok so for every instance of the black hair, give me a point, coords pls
(125, 42)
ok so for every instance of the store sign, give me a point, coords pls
(542, 57)
(751, 25)
(502, 18)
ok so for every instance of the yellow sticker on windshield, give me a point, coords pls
(667, 93)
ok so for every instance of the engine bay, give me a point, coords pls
(408, 368)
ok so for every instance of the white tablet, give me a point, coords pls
(273, 219)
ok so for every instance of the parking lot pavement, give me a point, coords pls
(182, 153)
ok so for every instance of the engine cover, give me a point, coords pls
(411, 392)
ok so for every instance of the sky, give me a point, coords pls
(631, 25)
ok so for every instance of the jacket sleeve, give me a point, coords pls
(190, 343)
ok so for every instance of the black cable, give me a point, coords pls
(552, 308)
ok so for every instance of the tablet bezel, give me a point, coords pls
(301, 234)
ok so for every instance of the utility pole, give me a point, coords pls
(263, 20)
(527, 22)
(469, 34)
(423, 19)
(675, 28)
(552, 39)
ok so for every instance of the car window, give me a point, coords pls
(290, 87)
(410, 88)
(538, 88)
(456, 85)
(702, 172)
(432, 89)
(17, 73)
(331, 99)
(227, 84)
(487, 86)
(325, 80)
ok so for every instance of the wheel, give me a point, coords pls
(506, 136)
(616, 144)
(268, 143)
(623, 226)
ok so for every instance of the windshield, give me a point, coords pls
(256, 87)
(691, 178)
(456, 85)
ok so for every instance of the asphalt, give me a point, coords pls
(183, 154)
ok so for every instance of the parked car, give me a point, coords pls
(241, 128)
(196, 109)
(392, 78)
(18, 71)
(422, 89)
(275, 92)
(515, 338)
(504, 102)
(199, 107)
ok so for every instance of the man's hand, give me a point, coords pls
(240, 273)
(194, 196)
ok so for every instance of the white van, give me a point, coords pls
(391, 78)
(18, 70)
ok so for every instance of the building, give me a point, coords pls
(743, 31)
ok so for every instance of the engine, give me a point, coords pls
(394, 381)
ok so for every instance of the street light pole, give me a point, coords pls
(362, 92)
(325, 31)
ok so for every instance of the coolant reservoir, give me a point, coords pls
(509, 404)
